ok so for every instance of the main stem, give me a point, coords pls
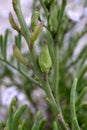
(55, 106)
(48, 91)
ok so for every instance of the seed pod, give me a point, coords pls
(45, 59)
(34, 18)
(19, 56)
(36, 33)
(13, 23)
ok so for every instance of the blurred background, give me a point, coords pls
(13, 84)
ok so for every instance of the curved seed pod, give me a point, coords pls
(36, 33)
(34, 18)
(19, 56)
(45, 58)
(13, 23)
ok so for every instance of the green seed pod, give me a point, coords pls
(36, 33)
(19, 56)
(45, 59)
(13, 23)
(34, 18)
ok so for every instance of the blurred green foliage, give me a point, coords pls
(56, 29)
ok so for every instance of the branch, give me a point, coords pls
(22, 73)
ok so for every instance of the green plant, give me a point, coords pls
(51, 68)
(15, 120)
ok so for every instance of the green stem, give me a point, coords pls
(62, 122)
(55, 106)
(22, 73)
(17, 116)
(56, 68)
(37, 121)
(72, 105)
(1, 45)
(55, 127)
(24, 27)
(50, 45)
(81, 72)
(41, 124)
(5, 43)
(48, 91)
(56, 73)
(18, 43)
(36, 67)
(60, 17)
(84, 91)
(11, 113)
(56, 83)
(82, 105)
(44, 7)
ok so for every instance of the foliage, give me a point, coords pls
(59, 83)
(15, 122)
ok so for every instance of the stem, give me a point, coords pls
(36, 67)
(11, 113)
(44, 7)
(60, 17)
(24, 27)
(55, 127)
(62, 122)
(72, 105)
(56, 68)
(5, 43)
(55, 106)
(56, 85)
(22, 73)
(82, 105)
(56, 73)
(84, 91)
(48, 91)
(18, 43)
